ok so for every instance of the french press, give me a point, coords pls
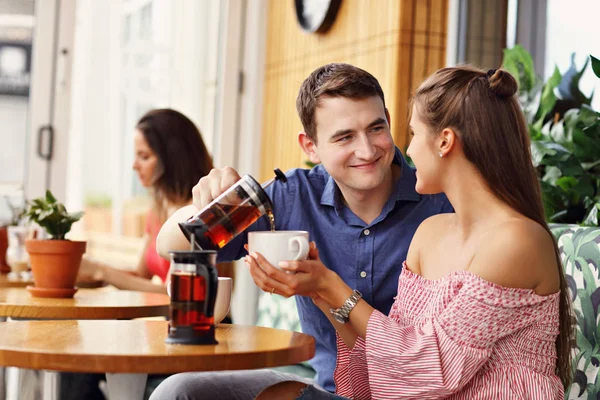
(193, 290)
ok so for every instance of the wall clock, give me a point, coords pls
(316, 16)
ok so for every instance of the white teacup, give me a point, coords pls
(223, 301)
(277, 246)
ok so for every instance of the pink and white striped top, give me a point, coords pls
(458, 337)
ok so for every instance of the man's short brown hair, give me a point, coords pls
(333, 80)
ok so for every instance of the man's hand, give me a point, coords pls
(212, 185)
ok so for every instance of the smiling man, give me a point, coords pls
(358, 204)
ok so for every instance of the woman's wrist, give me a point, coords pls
(100, 272)
(335, 291)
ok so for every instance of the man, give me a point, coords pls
(359, 206)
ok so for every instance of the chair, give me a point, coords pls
(580, 252)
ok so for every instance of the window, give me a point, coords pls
(130, 57)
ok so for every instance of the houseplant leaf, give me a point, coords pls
(52, 216)
(548, 99)
(595, 65)
(519, 63)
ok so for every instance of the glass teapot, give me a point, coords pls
(193, 290)
(230, 213)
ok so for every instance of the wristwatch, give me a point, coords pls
(341, 314)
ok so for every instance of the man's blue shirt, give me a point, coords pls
(368, 257)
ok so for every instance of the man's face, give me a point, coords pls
(354, 142)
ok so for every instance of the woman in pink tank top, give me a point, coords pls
(482, 310)
(170, 158)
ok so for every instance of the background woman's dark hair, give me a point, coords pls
(484, 112)
(181, 152)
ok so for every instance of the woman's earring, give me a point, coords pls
(441, 155)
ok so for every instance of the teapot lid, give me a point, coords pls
(194, 257)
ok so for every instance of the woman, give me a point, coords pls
(170, 158)
(482, 309)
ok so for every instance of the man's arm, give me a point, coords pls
(170, 237)
(209, 187)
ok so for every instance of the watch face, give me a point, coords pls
(316, 15)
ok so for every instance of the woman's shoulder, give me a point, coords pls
(429, 231)
(436, 225)
(517, 253)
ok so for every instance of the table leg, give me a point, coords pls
(126, 386)
(28, 384)
(2, 375)
(51, 385)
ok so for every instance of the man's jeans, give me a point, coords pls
(225, 385)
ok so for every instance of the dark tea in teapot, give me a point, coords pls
(193, 290)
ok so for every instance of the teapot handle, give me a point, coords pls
(211, 277)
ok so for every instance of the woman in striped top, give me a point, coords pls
(482, 310)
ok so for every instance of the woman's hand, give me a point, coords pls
(90, 270)
(305, 278)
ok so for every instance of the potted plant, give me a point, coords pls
(565, 138)
(55, 261)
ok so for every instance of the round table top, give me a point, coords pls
(24, 280)
(139, 347)
(86, 304)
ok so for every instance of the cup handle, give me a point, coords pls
(303, 247)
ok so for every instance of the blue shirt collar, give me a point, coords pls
(404, 190)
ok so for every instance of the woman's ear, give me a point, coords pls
(309, 147)
(446, 141)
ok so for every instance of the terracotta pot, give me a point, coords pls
(4, 268)
(55, 264)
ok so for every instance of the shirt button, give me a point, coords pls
(363, 274)
(366, 232)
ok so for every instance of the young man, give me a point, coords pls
(359, 205)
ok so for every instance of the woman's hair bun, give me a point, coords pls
(502, 83)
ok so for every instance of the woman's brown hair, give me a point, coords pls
(484, 112)
(182, 154)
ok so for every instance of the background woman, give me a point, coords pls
(170, 158)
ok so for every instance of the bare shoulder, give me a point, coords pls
(428, 231)
(518, 253)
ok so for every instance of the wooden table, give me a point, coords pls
(12, 281)
(86, 304)
(128, 350)
(7, 281)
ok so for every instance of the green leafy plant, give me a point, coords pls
(52, 216)
(565, 137)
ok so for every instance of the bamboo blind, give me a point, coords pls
(399, 41)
